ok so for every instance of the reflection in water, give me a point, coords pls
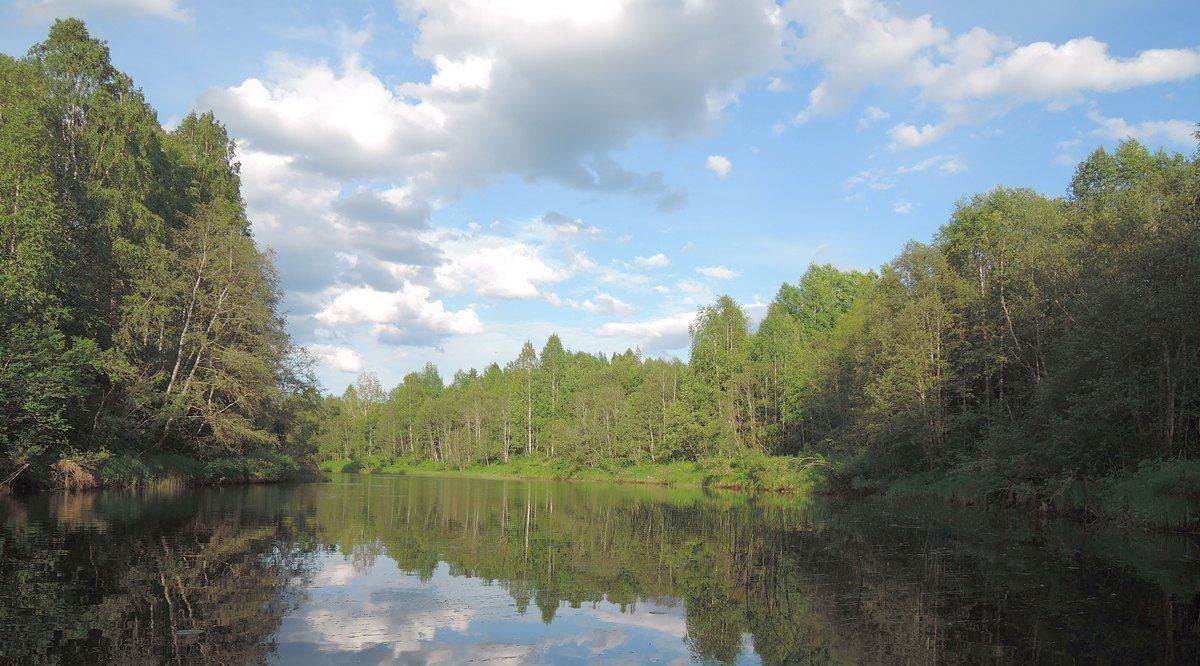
(400, 569)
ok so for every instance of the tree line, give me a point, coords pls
(136, 311)
(1035, 340)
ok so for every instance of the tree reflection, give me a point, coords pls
(805, 582)
(149, 578)
(208, 576)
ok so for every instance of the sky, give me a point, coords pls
(442, 180)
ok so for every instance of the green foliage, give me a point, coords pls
(1035, 342)
(1162, 493)
(136, 313)
(752, 472)
(1035, 345)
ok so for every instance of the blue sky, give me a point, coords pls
(444, 179)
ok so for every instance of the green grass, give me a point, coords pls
(770, 473)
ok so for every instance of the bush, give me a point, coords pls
(1159, 493)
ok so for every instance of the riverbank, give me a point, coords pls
(759, 473)
(122, 470)
(1158, 494)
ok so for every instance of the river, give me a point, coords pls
(395, 569)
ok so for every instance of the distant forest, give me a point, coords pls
(1032, 342)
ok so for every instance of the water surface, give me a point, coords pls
(379, 569)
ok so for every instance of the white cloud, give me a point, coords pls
(406, 316)
(603, 303)
(499, 102)
(953, 165)
(902, 207)
(1178, 132)
(565, 228)
(911, 136)
(341, 359)
(662, 334)
(1045, 71)
(691, 287)
(971, 76)
(871, 116)
(881, 179)
(718, 164)
(342, 167)
(654, 261)
(776, 84)
(718, 272)
(496, 267)
(873, 179)
(857, 43)
(46, 9)
(946, 164)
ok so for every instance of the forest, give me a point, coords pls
(1035, 347)
(140, 327)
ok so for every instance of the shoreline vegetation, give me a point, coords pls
(125, 471)
(1158, 496)
(783, 474)
(1040, 352)
(141, 335)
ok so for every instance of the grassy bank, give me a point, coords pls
(766, 473)
(121, 470)
(1158, 494)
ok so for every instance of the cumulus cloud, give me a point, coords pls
(46, 9)
(856, 43)
(602, 303)
(396, 207)
(718, 164)
(564, 227)
(902, 207)
(341, 359)
(406, 316)
(496, 267)
(1046, 71)
(862, 43)
(718, 272)
(1178, 132)
(343, 168)
(911, 136)
(663, 334)
(499, 102)
(654, 261)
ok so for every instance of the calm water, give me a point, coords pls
(375, 569)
